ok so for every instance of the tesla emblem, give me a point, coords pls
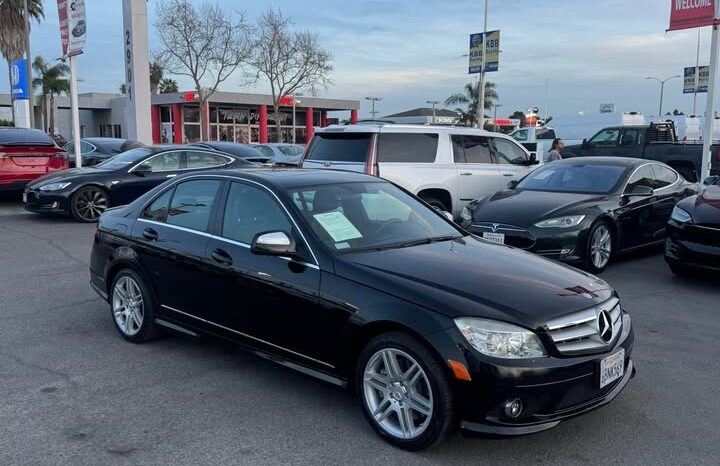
(605, 326)
(327, 163)
(495, 227)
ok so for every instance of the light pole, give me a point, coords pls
(373, 99)
(662, 88)
(434, 103)
(28, 66)
(295, 94)
(481, 90)
(495, 115)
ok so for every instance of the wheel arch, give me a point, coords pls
(441, 194)
(118, 265)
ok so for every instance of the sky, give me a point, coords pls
(410, 51)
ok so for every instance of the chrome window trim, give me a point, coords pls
(229, 159)
(213, 176)
(677, 176)
(249, 336)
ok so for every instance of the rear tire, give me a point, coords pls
(436, 203)
(405, 392)
(132, 307)
(88, 203)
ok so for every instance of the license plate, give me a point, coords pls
(498, 238)
(612, 368)
(24, 198)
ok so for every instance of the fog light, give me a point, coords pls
(566, 252)
(55, 205)
(513, 408)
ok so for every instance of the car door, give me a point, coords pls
(134, 183)
(270, 300)
(512, 159)
(478, 176)
(636, 212)
(668, 194)
(171, 235)
(604, 143)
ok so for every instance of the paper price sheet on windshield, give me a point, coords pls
(338, 226)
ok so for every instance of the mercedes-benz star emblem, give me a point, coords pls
(605, 326)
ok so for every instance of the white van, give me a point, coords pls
(536, 139)
(574, 128)
(445, 166)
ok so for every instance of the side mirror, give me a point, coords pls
(143, 169)
(533, 160)
(512, 184)
(710, 180)
(641, 191)
(447, 215)
(585, 144)
(273, 243)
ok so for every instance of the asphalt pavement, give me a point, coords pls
(72, 392)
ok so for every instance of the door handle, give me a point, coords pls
(508, 174)
(170, 176)
(221, 257)
(150, 234)
(466, 173)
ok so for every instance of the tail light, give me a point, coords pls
(3, 156)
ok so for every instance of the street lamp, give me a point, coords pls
(373, 99)
(295, 94)
(662, 87)
(495, 117)
(434, 103)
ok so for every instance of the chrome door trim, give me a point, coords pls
(249, 336)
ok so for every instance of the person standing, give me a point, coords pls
(556, 150)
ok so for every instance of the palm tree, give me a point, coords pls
(52, 81)
(168, 86)
(12, 28)
(156, 76)
(470, 97)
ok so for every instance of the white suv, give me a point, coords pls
(447, 167)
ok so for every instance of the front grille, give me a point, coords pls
(579, 332)
(514, 236)
(703, 234)
(582, 391)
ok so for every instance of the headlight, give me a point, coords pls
(681, 215)
(499, 339)
(55, 186)
(466, 214)
(561, 222)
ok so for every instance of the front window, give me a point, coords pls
(606, 138)
(250, 211)
(521, 135)
(167, 161)
(192, 204)
(593, 179)
(507, 152)
(367, 216)
(125, 160)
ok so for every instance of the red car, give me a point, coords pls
(26, 154)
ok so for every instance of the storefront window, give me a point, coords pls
(192, 133)
(165, 114)
(191, 114)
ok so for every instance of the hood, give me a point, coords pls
(705, 207)
(524, 208)
(65, 175)
(470, 277)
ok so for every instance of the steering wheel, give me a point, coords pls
(386, 225)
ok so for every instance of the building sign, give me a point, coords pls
(506, 122)
(73, 26)
(607, 108)
(492, 49)
(18, 80)
(686, 14)
(191, 96)
(691, 73)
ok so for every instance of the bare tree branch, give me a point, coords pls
(203, 44)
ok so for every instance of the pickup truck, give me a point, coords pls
(657, 141)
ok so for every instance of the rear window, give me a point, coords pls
(545, 134)
(345, 147)
(24, 137)
(410, 147)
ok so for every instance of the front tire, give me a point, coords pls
(88, 203)
(405, 392)
(132, 307)
(599, 248)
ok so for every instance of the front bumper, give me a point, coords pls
(692, 246)
(46, 202)
(551, 389)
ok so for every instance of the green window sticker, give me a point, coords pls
(338, 226)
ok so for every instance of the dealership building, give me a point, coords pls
(175, 117)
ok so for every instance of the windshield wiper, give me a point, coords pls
(406, 244)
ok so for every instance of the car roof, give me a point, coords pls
(403, 128)
(619, 161)
(292, 177)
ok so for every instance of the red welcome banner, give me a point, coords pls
(686, 14)
(64, 27)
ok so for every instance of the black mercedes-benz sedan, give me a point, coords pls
(87, 192)
(582, 210)
(693, 242)
(350, 279)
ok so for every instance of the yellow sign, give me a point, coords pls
(492, 48)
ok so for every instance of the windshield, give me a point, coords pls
(368, 216)
(594, 179)
(124, 160)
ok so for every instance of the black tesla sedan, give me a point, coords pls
(237, 149)
(350, 279)
(87, 192)
(96, 150)
(582, 210)
(693, 242)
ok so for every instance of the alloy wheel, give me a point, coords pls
(601, 246)
(398, 393)
(127, 305)
(90, 203)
